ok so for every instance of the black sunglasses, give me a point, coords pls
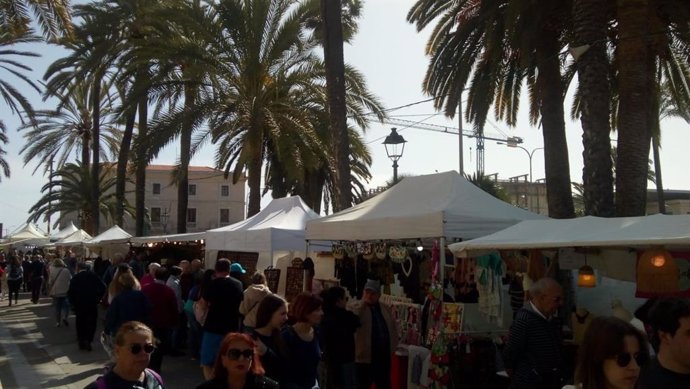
(235, 354)
(136, 348)
(623, 359)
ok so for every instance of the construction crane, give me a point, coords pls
(511, 140)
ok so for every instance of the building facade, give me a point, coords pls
(214, 201)
(526, 195)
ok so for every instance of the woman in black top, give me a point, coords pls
(271, 315)
(238, 366)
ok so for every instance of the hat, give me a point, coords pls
(373, 285)
(237, 268)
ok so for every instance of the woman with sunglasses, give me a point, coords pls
(238, 366)
(132, 350)
(610, 356)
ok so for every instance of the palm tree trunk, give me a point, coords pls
(85, 147)
(122, 159)
(636, 72)
(95, 143)
(593, 69)
(254, 184)
(141, 162)
(331, 11)
(550, 84)
(185, 151)
(660, 197)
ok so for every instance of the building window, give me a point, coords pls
(191, 215)
(225, 215)
(155, 215)
(192, 189)
(225, 190)
(156, 189)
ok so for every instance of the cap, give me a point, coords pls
(237, 268)
(373, 285)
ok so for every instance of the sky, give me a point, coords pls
(391, 55)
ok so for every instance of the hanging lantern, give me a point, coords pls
(657, 272)
(586, 277)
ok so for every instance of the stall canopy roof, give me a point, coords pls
(169, 238)
(63, 233)
(75, 238)
(428, 206)
(29, 231)
(589, 231)
(279, 226)
(114, 234)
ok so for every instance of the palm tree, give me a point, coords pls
(590, 30)
(315, 179)
(12, 96)
(496, 46)
(264, 63)
(57, 135)
(652, 37)
(53, 17)
(3, 141)
(332, 30)
(70, 191)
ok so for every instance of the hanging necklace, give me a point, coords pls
(408, 270)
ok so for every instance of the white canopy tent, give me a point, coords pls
(63, 233)
(114, 234)
(192, 236)
(429, 206)
(589, 231)
(279, 226)
(276, 234)
(27, 236)
(77, 238)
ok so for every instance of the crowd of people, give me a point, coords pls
(245, 336)
(614, 354)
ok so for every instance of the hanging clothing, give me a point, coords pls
(489, 273)
(419, 362)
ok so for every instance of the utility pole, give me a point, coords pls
(460, 143)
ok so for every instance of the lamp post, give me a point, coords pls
(394, 150)
(530, 154)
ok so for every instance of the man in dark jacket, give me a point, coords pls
(533, 356)
(84, 294)
(338, 329)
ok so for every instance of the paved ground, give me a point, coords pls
(36, 354)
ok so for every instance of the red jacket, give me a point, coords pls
(162, 297)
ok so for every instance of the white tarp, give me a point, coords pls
(63, 233)
(278, 227)
(428, 206)
(74, 239)
(114, 234)
(590, 231)
(169, 238)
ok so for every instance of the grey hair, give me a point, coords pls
(539, 287)
(154, 265)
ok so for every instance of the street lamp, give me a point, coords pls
(394, 150)
(530, 154)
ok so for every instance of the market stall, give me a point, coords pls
(272, 237)
(63, 233)
(172, 247)
(109, 242)
(399, 237)
(26, 238)
(75, 241)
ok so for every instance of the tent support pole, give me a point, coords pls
(442, 260)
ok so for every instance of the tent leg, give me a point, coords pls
(442, 260)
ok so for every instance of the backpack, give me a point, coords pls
(100, 381)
